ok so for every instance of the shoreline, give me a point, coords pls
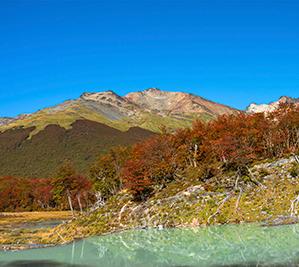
(22, 247)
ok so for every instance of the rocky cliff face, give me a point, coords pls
(109, 104)
(257, 108)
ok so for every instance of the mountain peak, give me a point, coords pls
(97, 94)
(152, 90)
(288, 99)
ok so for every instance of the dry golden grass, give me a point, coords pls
(17, 229)
(14, 218)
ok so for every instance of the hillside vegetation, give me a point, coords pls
(239, 168)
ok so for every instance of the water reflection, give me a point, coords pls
(39, 264)
(218, 245)
(57, 264)
(231, 245)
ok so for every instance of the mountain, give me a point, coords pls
(34, 145)
(149, 109)
(256, 108)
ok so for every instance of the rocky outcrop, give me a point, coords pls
(7, 120)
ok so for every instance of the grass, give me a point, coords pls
(16, 231)
(15, 218)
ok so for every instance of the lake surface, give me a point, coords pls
(229, 245)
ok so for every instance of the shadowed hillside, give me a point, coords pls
(40, 155)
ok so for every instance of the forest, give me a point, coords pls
(228, 144)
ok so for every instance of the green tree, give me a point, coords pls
(105, 173)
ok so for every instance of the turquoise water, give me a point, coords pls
(238, 245)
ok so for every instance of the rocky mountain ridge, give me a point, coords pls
(149, 109)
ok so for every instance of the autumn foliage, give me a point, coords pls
(230, 142)
(25, 194)
(70, 189)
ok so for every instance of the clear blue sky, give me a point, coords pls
(233, 52)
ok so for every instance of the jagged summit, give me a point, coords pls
(287, 99)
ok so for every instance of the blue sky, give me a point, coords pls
(232, 52)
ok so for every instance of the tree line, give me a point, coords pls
(66, 190)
